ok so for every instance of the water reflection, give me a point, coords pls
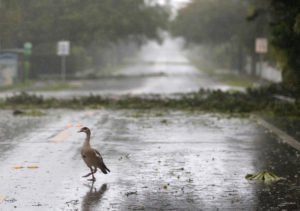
(93, 197)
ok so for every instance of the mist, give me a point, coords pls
(149, 105)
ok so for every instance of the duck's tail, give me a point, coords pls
(103, 168)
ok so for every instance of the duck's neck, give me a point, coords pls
(87, 140)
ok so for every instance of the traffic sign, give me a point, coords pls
(27, 48)
(63, 48)
(261, 45)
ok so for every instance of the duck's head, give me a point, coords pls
(85, 130)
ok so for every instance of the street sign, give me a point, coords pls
(63, 48)
(261, 45)
(27, 48)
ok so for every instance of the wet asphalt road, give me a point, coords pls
(159, 160)
(158, 69)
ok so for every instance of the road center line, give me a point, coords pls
(60, 137)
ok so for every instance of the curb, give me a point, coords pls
(285, 138)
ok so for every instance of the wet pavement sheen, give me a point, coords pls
(159, 160)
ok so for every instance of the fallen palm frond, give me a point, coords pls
(264, 176)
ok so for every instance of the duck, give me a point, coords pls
(91, 156)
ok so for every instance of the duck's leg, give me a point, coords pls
(89, 174)
(92, 173)
(95, 170)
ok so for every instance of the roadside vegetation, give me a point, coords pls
(225, 32)
(274, 103)
(102, 33)
(263, 100)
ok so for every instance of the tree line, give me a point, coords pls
(89, 25)
(229, 29)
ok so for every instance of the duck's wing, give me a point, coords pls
(97, 153)
(101, 164)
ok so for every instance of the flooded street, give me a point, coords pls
(159, 160)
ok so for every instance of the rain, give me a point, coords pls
(149, 105)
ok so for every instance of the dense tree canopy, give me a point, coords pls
(81, 22)
(210, 21)
(222, 25)
(217, 22)
(286, 39)
(86, 23)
